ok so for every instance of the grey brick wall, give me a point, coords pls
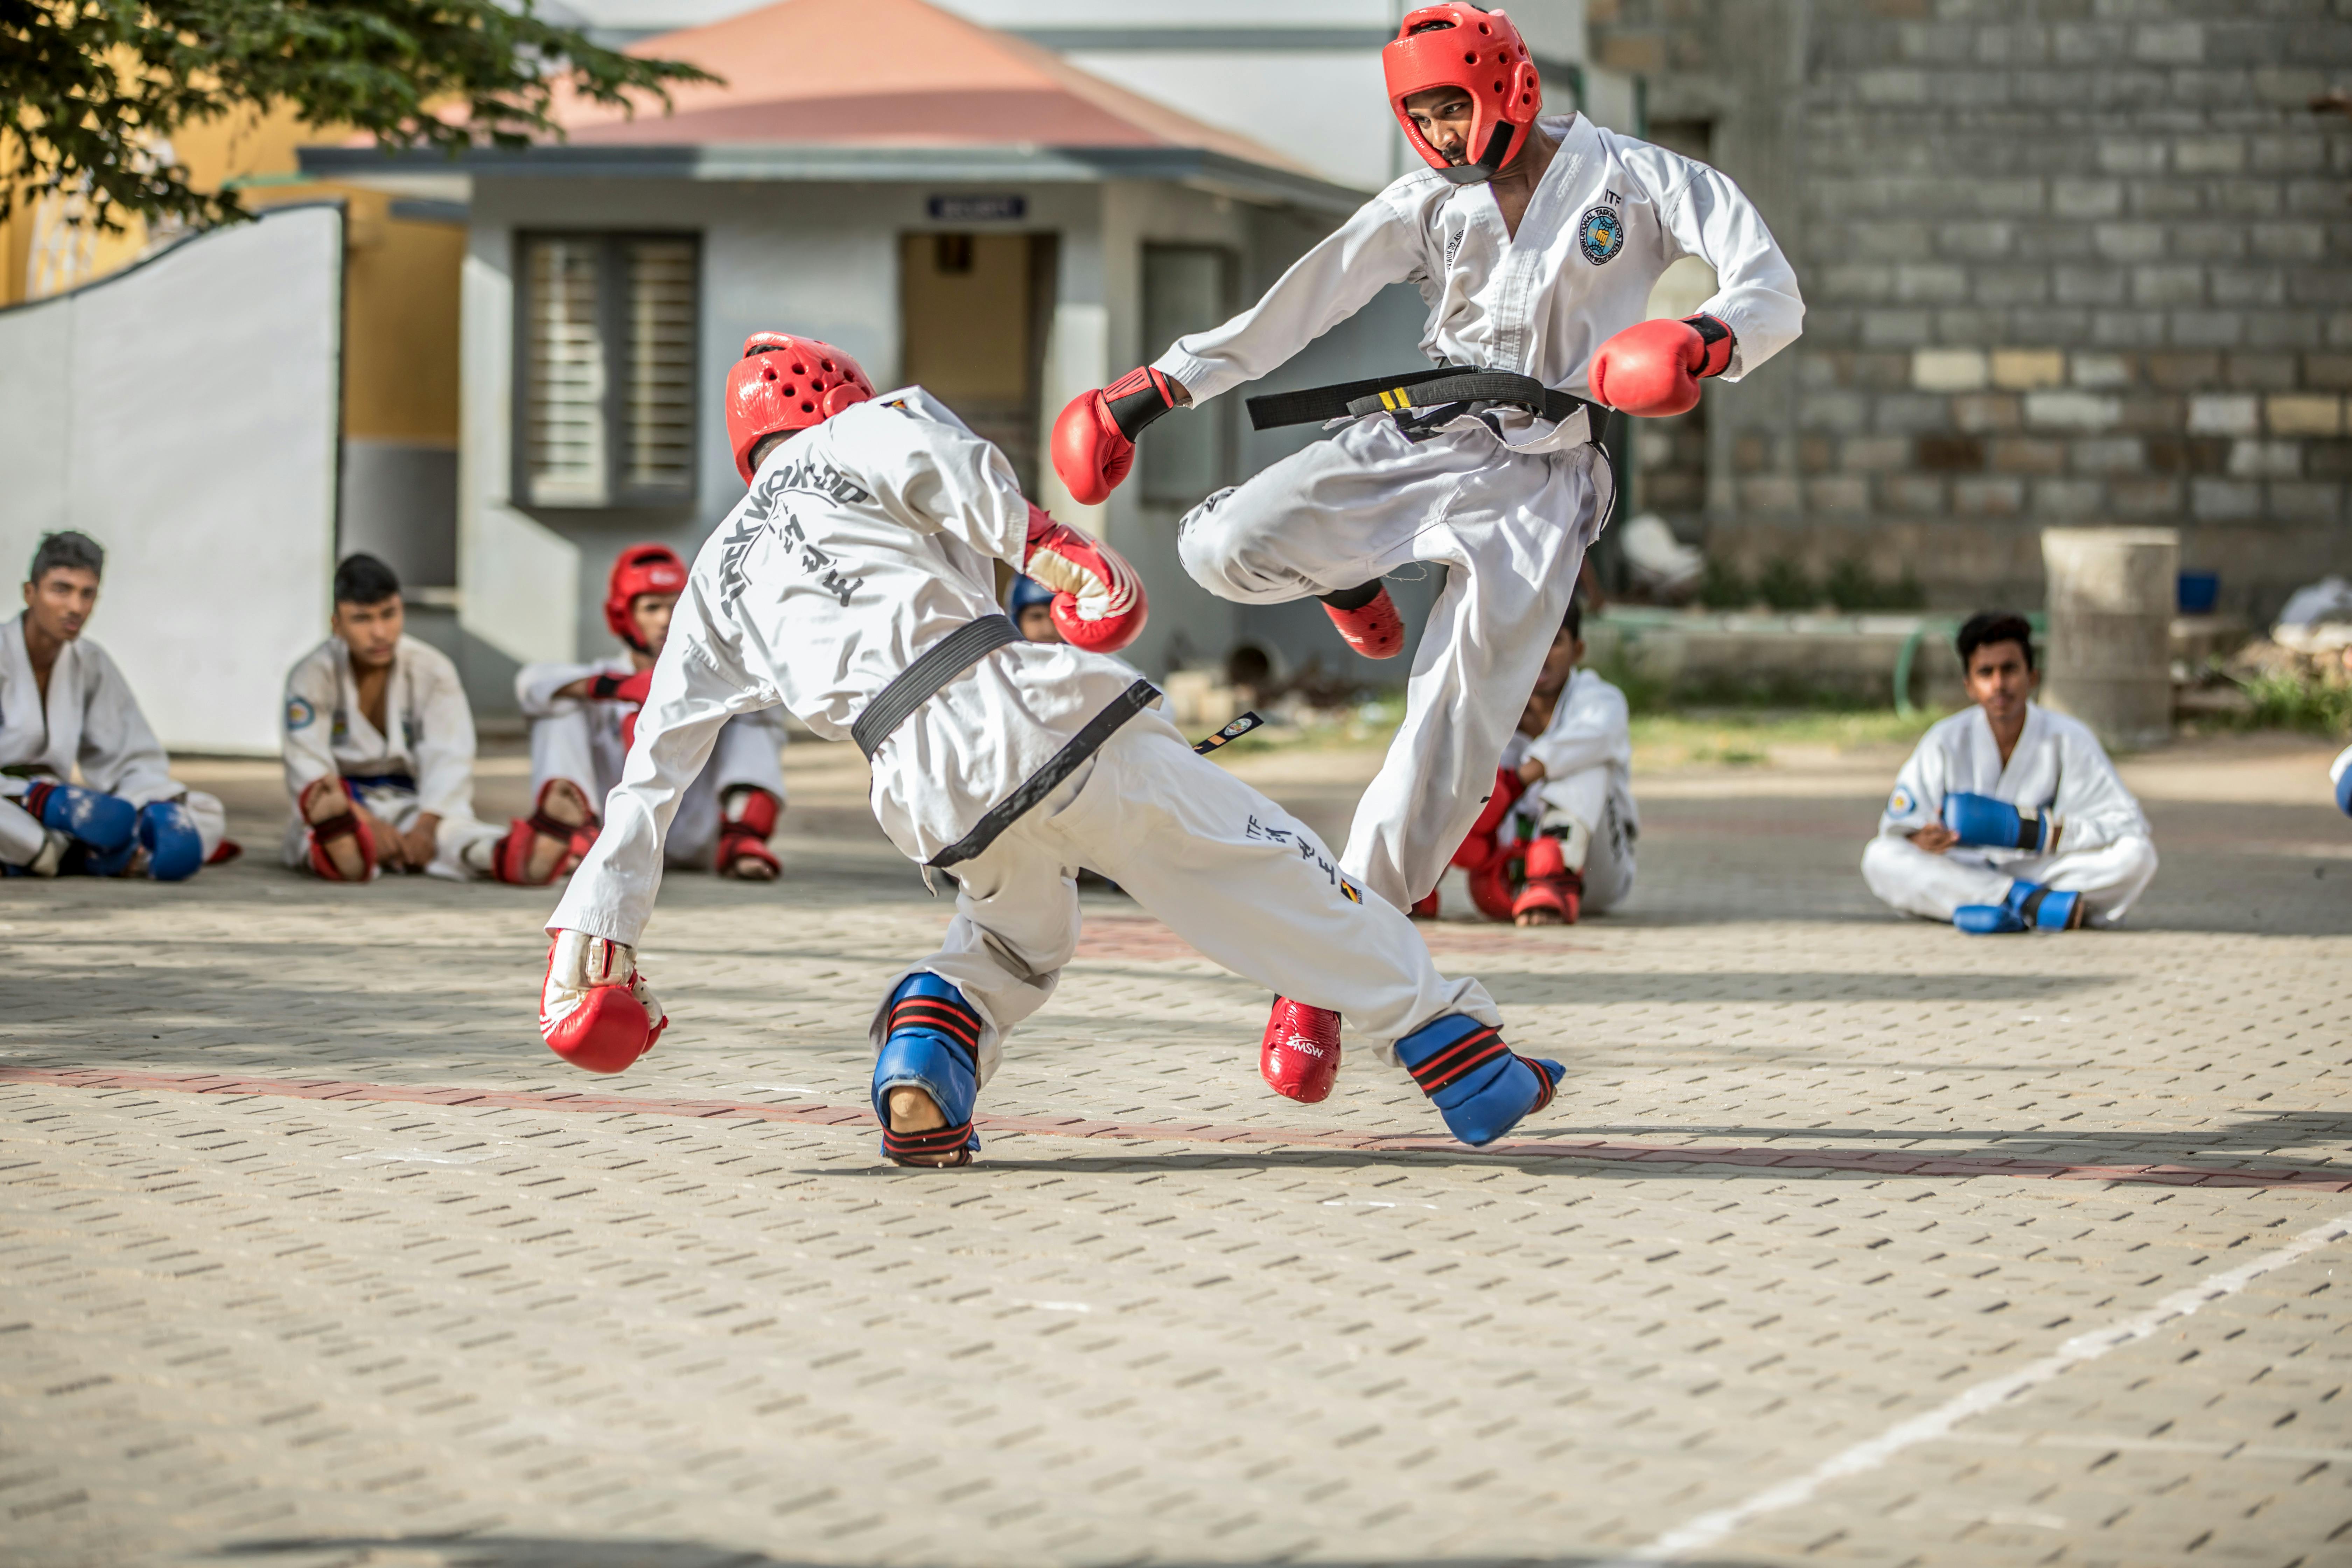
(2065, 262)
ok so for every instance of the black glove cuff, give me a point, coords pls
(1136, 399)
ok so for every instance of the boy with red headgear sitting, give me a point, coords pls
(582, 717)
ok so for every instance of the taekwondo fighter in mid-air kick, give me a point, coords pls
(1535, 242)
(855, 587)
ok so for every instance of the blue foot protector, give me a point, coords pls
(1480, 1086)
(104, 822)
(934, 1045)
(174, 848)
(2027, 907)
(81, 860)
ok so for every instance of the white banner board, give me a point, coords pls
(185, 414)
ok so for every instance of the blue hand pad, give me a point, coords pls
(83, 861)
(1981, 820)
(104, 822)
(2344, 791)
(1986, 919)
(1480, 1087)
(175, 850)
(934, 1046)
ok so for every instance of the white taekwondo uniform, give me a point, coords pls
(2104, 849)
(579, 739)
(863, 543)
(1587, 790)
(92, 721)
(1509, 502)
(425, 763)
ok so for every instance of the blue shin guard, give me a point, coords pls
(934, 1046)
(103, 822)
(1480, 1086)
(2027, 907)
(175, 850)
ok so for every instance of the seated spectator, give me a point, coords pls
(2008, 817)
(379, 747)
(582, 717)
(63, 706)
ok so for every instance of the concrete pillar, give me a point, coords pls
(2111, 596)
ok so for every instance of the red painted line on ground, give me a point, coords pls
(1887, 1163)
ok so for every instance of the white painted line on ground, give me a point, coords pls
(2116, 1443)
(1708, 1528)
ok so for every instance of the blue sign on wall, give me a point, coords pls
(979, 209)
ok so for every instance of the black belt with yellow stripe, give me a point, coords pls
(1478, 389)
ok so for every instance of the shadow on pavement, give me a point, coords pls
(558, 1551)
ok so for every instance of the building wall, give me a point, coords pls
(2070, 262)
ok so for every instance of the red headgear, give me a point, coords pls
(784, 383)
(1480, 52)
(642, 569)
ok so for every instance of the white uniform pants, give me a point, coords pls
(1226, 868)
(1513, 527)
(1933, 886)
(398, 808)
(22, 836)
(1584, 800)
(564, 745)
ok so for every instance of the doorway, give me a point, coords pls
(974, 310)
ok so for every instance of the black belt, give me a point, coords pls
(1421, 389)
(919, 681)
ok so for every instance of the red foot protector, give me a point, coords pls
(1372, 628)
(1551, 887)
(1098, 601)
(595, 1011)
(1493, 888)
(1479, 845)
(1652, 369)
(748, 817)
(346, 826)
(1426, 908)
(512, 863)
(1299, 1056)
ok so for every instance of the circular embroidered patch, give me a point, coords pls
(1602, 235)
(298, 713)
(1899, 803)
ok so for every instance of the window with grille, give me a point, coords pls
(605, 332)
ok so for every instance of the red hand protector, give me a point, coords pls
(1093, 439)
(1098, 601)
(1652, 369)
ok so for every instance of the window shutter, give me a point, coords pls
(660, 402)
(563, 428)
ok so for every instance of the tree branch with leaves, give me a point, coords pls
(89, 87)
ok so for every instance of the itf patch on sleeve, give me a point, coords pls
(1900, 802)
(1601, 234)
(298, 713)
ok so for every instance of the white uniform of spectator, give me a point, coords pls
(1586, 795)
(2104, 850)
(90, 722)
(579, 739)
(1509, 501)
(422, 761)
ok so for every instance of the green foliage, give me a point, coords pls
(1853, 586)
(2283, 701)
(1785, 586)
(86, 87)
(1724, 587)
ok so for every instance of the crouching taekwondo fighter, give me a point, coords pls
(1535, 242)
(855, 587)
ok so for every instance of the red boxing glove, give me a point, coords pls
(1653, 368)
(1093, 439)
(622, 687)
(1098, 601)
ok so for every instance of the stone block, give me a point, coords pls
(2068, 497)
(2327, 460)
(2196, 455)
(2088, 285)
(2269, 373)
(1768, 493)
(2086, 198)
(1814, 454)
(2014, 198)
(1875, 453)
(1949, 454)
(2284, 329)
(2095, 370)
(2224, 414)
(1979, 240)
(2130, 242)
(2208, 241)
(1984, 412)
(1970, 325)
(2022, 370)
(2287, 240)
(2027, 455)
(1891, 240)
(2328, 370)
(1862, 281)
(1989, 495)
(2133, 154)
(2225, 501)
(1751, 454)
(2167, 199)
(2128, 329)
(1912, 493)
(2144, 495)
(1911, 413)
(2180, 373)
(2291, 154)
(2206, 329)
(1895, 328)
(1930, 283)
(2167, 284)
(2305, 502)
(2265, 460)
(1836, 411)
(1847, 493)
(1949, 370)
(2168, 44)
(2012, 285)
(2248, 286)
(2209, 154)
(2247, 200)
(2072, 410)
(2109, 454)
(1880, 89)
(2304, 414)
(2097, 44)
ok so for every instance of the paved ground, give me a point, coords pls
(1847, 1240)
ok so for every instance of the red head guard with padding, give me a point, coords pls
(784, 383)
(1480, 52)
(642, 569)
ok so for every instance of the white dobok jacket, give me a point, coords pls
(430, 737)
(1609, 215)
(91, 720)
(2058, 765)
(862, 543)
(1591, 727)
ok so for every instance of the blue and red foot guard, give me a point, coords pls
(1478, 1084)
(933, 1044)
